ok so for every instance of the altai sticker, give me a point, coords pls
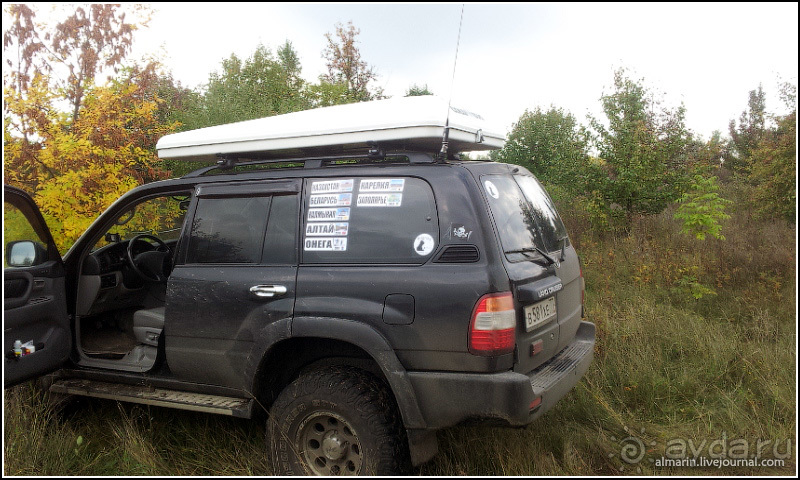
(319, 229)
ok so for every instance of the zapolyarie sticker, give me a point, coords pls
(491, 189)
(331, 200)
(326, 229)
(379, 200)
(325, 244)
(423, 244)
(328, 214)
(332, 186)
(382, 185)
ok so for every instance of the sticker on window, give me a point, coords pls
(332, 200)
(328, 214)
(332, 186)
(382, 185)
(325, 244)
(423, 244)
(326, 229)
(491, 189)
(379, 200)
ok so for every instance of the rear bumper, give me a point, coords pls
(447, 398)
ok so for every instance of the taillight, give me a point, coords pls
(493, 327)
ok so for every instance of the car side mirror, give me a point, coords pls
(25, 253)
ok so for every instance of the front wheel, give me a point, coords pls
(336, 421)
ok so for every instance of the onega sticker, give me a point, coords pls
(331, 200)
(491, 189)
(325, 244)
(382, 185)
(379, 200)
(326, 229)
(328, 214)
(423, 244)
(332, 186)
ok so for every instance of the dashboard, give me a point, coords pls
(107, 282)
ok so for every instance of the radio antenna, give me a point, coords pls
(446, 134)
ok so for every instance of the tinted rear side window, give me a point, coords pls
(280, 247)
(524, 214)
(353, 220)
(228, 230)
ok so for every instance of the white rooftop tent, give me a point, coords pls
(408, 123)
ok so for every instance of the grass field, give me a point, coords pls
(708, 376)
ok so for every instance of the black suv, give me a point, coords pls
(364, 301)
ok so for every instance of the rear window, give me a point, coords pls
(390, 220)
(523, 212)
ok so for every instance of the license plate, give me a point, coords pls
(539, 312)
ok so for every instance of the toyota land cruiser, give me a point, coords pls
(365, 300)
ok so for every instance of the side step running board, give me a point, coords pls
(236, 407)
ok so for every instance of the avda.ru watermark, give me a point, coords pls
(716, 453)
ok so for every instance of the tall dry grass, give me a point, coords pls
(668, 366)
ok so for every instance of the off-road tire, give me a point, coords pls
(336, 421)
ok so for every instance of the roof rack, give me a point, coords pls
(375, 155)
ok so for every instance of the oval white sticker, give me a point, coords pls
(491, 189)
(423, 244)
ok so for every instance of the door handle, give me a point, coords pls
(268, 291)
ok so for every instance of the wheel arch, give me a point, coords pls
(316, 340)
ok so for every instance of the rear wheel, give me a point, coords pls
(336, 421)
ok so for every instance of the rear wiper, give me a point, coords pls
(533, 249)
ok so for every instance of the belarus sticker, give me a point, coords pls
(325, 244)
(332, 200)
(423, 244)
(379, 200)
(328, 214)
(326, 229)
(491, 189)
(382, 185)
(332, 186)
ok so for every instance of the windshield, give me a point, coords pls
(524, 214)
(160, 216)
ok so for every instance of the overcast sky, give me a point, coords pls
(511, 57)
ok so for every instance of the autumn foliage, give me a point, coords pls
(76, 163)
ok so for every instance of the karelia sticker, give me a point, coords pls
(328, 214)
(325, 244)
(332, 186)
(382, 185)
(326, 229)
(379, 200)
(423, 244)
(331, 200)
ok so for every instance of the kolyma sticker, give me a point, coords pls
(491, 189)
(423, 244)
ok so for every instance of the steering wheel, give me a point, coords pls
(153, 265)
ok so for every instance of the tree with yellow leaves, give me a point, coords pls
(76, 162)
